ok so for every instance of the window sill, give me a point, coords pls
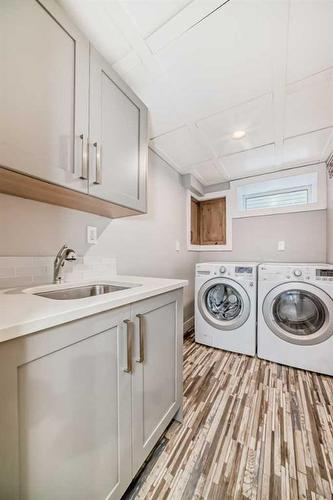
(209, 248)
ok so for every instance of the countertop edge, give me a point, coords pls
(21, 328)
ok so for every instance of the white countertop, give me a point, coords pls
(22, 313)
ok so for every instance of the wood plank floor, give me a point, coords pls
(252, 429)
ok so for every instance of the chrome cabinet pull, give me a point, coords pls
(129, 367)
(98, 175)
(141, 338)
(84, 159)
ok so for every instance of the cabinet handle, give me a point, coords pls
(84, 159)
(128, 368)
(141, 338)
(98, 175)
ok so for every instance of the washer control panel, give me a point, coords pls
(324, 274)
(244, 272)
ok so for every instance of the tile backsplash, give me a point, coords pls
(29, 271)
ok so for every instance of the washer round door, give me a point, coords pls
(299, 313)
(224, 303)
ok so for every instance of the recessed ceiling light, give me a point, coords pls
(238, 134)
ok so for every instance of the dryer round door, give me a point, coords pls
(224, 303)
(299, 313)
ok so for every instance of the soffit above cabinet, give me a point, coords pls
(206, 69)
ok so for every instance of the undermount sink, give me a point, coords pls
(81, 292)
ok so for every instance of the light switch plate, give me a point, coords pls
(177, 246)
(92, 235)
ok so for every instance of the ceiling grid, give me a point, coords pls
(210, 68)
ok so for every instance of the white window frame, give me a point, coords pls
(319, 191)
(211, 196)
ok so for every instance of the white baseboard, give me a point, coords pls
(188, 324)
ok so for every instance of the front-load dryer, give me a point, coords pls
(295, 315)
(225, 306)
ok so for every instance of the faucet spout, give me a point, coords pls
(64, 254)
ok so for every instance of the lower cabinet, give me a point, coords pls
(83, 404)
(157, 375)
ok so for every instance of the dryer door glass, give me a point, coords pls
(299, 312)
(223, 302)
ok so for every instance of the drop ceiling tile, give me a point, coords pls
(154, 91)
(94, 20)
(153, 14)
(310, 40)
(252, 162)
(222, 61)
(307, 148)
(193, 13)
(254, 117)
(180, 147)
(309, 104)
(208, 173)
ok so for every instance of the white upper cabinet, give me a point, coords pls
(118, 138)
(43, 93)
(64, 123)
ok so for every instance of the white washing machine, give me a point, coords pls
(295, 315)
(225, 306)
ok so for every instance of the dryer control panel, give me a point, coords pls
(297, 272)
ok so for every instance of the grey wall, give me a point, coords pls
(256, 239)
(146, 245)
(33, 228)
(330, 221)
(143, 245)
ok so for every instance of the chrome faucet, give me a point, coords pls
(64, 254)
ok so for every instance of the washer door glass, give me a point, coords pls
(299, 312)
(223, 302)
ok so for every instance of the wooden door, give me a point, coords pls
(195, 222)
(213, 222)
(157, 374)
(118, 138)
(44, 87)
(65, 417)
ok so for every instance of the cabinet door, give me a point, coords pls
(118, 138)
(195, 222)
(69, 410)
(44, 89)
(157, 374)
(213, 222)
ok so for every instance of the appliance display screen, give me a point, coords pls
(325, 272)
(243, 270)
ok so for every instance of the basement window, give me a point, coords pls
(280, 198)
(295, 190)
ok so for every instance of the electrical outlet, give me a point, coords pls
(92, 235)
(281, 246)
